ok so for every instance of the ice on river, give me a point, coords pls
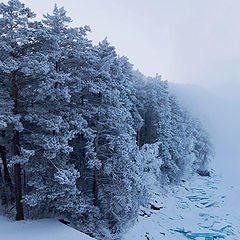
(204, 208)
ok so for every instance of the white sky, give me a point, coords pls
(192, 41)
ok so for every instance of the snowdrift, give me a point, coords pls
(44, 229)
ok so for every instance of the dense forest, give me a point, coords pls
(83, 136)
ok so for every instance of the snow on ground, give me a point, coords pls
(45, 229)
(202, 209)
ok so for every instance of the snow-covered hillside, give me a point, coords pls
(45, 229)
(202, 209)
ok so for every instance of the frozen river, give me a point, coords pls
(204, 208)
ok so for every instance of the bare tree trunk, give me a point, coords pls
(17, 167)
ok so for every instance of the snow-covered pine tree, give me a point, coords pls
(190, 146)
(202, 148)
(181, 144)
(6, 121)
(114, 180)
(54, 119)
(16, 40)
(155, 111)
(98, 133)
(159, 121)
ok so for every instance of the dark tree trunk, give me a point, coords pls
(82, 100)
(18, 192)
(24, 181)
(57, 66)
(95, 194)
(2, 189)
(6, 181)
(1, 177)
(6, 173)
(140, 138)
(137, 138)
(17, 167)
(7, 184)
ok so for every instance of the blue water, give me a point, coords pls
(215, 219)
(206, 236)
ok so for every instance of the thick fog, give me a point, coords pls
(221, 117)
(193, 42)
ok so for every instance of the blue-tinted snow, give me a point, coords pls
(203, 208)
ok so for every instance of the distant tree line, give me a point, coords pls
(82, 135)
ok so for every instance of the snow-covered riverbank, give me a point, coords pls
(204, 208)
(45, 229)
